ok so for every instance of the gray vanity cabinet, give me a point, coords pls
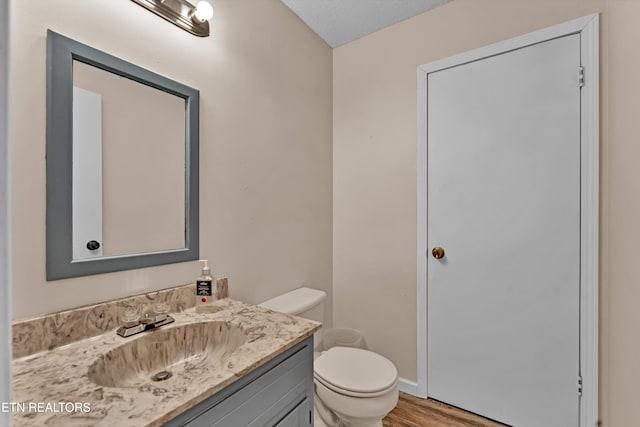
(278, 393)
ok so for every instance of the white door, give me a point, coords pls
(86, 173)
(503, 180)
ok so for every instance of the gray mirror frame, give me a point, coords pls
(61, 52)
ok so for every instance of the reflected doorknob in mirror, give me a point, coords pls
(93, 245)
(437, 252)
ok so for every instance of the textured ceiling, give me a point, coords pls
(341, 21)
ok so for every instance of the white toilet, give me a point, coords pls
(354, 387)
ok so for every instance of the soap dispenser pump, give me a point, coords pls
(205, 290)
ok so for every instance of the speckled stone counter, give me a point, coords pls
(54, 330)
(62, 374)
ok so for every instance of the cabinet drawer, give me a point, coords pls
(301, 415)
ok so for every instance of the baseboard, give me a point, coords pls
(408, 386)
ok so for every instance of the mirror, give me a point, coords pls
(128, 162)
(122, 164)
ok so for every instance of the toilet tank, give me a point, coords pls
(303, 302)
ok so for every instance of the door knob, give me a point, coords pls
(437, 252)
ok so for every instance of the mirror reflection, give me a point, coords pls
(128, 168)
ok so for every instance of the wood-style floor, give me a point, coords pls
(414, 412)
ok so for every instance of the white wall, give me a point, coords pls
(5, 264)
(265, 145)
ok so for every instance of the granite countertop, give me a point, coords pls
(61, 375)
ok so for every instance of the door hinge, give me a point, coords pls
(581, 76)
(579, 385)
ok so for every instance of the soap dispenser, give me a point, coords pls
(205, 287)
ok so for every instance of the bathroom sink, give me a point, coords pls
(162, 354)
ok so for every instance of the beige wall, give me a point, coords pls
(265, 145)
(375, 175)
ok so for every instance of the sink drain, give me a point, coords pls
(162, 375)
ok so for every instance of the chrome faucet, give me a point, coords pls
(134, 324)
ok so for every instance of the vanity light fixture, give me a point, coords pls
(194, 19)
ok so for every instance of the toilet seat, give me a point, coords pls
(355, 372)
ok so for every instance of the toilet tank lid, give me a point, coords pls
(296, 301)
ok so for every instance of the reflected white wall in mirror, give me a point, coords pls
(130, 162)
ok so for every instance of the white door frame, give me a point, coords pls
(587, 27)
(5, 215)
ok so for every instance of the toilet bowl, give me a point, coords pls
(353, 386)
(358, 387)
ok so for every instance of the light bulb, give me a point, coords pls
(203, 11)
